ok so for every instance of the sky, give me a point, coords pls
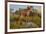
(16, 7)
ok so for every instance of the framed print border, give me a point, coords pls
(6, 1)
